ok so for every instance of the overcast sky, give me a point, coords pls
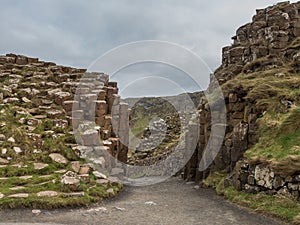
(75, 33)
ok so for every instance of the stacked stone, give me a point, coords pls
(41, 96)
(259, 177)
(240, 134)
(262, 44)
(50, 85)
(270, 32)
(99, 102)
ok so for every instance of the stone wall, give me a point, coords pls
(264, 177)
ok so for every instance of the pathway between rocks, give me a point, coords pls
(169, 203)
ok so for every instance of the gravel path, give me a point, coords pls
(169, 203)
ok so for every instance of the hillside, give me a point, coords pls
(41, 165)
(145, 110)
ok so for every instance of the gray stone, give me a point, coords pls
(40, 166)
(18, 150)
(102, 181)
(71, 180)
(36, 211)
(17, 188)
(25, 177)
(99, 175)
(2, 137)
(4, 151)
(114, 181)
(110, 192)
(74, 194)
(26, 100)
(58, 158)
(48, 194)
(116, 171)
(20, 195)
(278, 182)
(11, 139)
(75, 166)
(3, 161)
(60, 171)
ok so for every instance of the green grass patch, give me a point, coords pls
(275, 205)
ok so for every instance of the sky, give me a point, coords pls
(77, 32)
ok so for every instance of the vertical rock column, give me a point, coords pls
(123, 132)
(99, 103)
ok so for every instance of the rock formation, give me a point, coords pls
(265, 50)
(38, 112)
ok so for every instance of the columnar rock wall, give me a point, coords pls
(49, 91)
(266, 38)
(263, 44)
(97, 101)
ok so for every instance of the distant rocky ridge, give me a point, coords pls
(166, 112)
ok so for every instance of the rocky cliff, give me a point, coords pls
(259, 77)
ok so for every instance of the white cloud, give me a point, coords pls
(76, 32)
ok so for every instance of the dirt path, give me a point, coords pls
(169, 203)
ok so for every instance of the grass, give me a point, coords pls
(275, 205)
(279, 135)
(12, 127)
(151, 108)
(140, 124)
(279, 142)
(93, 193)
(278, 101)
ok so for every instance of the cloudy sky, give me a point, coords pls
(76, 32)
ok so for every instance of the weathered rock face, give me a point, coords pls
(266, 38)
(263, 44)
(263, 177)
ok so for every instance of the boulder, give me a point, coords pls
(58, 158)
(71, 180)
